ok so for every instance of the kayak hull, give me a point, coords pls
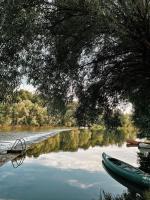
(126, 171)
(128, 184)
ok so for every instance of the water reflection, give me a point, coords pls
(59, 175)
(144, 161)
(72, 141)
(18, 161)
(69, 142)
(125, 196)
(71, 161)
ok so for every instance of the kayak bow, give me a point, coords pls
(127, 171)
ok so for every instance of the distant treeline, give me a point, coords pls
(30, 109)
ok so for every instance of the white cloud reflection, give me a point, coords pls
(7, 199)
(5, 175)
(77, 183)
(89, 160)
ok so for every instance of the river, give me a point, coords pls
(66, 166)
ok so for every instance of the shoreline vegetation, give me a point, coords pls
(75, 139)
(125, 196)
(28, 112)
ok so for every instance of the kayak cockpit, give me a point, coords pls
(124, 166)
(115, 161)
(126, 171)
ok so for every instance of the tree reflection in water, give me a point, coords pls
(144, 161)
(75, 139)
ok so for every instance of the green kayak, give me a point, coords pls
(126, 171)
(134, 188)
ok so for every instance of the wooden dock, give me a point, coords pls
(10, 150)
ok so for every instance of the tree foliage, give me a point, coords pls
(98, 51)
(30, 110)
(76, 139)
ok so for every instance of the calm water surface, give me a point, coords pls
(67, 166)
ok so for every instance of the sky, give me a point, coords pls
(26, 86)
(125, 108)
